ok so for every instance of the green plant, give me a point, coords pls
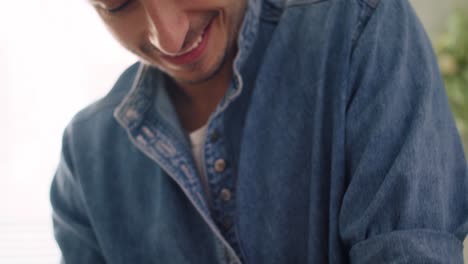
(452, 52)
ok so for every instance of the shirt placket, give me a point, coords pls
(222, 180)
(177, 164)
(160, 141)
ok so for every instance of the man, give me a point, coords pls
(296, 131)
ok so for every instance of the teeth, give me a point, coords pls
(195, 45)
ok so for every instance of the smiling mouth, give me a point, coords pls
(195, 51)
(194, 43)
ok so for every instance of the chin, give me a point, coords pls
(195, 74)
(202, 77)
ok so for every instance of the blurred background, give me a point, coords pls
(56, 57)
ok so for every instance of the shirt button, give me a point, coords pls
(214, 136)
(220, 165)
(225, 194)
(227, 223)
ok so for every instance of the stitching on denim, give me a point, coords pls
(292, 3)
(120, 110)
(200, 205)
(365, 13)
(371, 3)
(271, 13)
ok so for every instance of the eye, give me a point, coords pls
(119, 8)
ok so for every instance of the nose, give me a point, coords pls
(168, 25)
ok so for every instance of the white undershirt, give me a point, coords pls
(197, 139)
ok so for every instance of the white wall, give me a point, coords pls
(55, 57)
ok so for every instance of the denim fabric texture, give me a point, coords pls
(336, 136)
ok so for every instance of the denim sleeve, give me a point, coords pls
(72, 228)
(407, 186)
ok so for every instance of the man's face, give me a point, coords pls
(188, 39)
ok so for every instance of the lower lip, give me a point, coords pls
(193, 55)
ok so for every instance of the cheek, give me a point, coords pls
(127, 39)
(130, 31)
(135, 42)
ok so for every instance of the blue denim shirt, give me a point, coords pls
(336, 136)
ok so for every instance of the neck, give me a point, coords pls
(194, 103)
